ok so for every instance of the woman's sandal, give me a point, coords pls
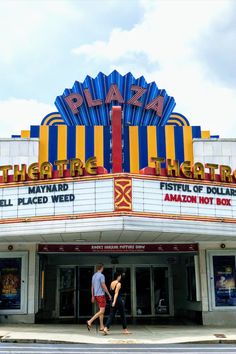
(105, 332)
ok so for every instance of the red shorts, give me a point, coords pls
(101, 301)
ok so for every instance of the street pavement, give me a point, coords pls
(8, 348)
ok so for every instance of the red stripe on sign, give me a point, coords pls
(116, 117)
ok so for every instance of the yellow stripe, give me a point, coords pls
(133, 149)
(98, 144)
(173, 116)
(170, 142)
(205, 134)
(188, 144)
(62, 142)
(25, 134)
(152, 144)
(57, 115)
(80, 142)
(174, 122)
(56, 121)
(43, 143)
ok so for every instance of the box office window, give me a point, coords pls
(13, 282)
(224, 280)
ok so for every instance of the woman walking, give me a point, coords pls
(117, 304)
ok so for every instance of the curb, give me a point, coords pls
(45, 341)
(39, 341)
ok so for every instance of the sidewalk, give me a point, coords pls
(151, 334)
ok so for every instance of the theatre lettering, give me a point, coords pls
(76, 167)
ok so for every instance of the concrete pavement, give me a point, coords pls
(150, 334)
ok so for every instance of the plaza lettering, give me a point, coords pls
(75, 100)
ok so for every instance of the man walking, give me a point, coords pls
(98, 290)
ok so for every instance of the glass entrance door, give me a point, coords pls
(85, 306)
(67, 291)
(152, 291)
(161, 290)
(143, 291)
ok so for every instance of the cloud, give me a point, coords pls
(169, 38)
(18, 114)
(217, 51)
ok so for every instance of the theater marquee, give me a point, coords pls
(112, 195)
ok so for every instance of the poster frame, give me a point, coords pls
(211, 280)
(24, 281)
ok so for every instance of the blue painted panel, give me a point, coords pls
(107, 148)
(89, 142)
(179, 144)
(161, 143)
(143, 147)
(196, 132)
(34, 131)
(52, 146)
(126, 154)
(71, 142)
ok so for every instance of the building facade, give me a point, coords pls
(115, 176)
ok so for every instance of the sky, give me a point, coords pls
(187, 47)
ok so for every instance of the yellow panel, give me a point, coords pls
(170, 142)
(152, 144)
(205, 134)
(25, 134)
(98, 144)
(43, 143)
(62, 142)
(80, 142)
(188, 144)
(133, 149)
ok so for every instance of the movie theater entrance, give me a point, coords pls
(152, 284)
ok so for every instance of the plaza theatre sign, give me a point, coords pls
(90, 102)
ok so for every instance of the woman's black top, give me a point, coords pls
(113, 291)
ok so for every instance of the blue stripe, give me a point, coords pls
(126, 157)
(34, 131)
(196, 132)
(161, 143)
(89, 142)
(179, 144)
(71, 138)
(52, 144)
(143, 148)
(106, 148)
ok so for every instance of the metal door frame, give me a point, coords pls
(170, 285)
